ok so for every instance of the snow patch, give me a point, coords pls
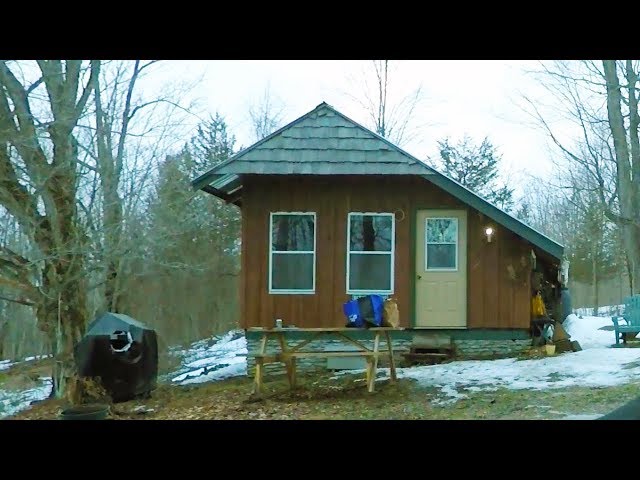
(451, 393)
(586, 330)
(582, 417)
(212, 359)
(589, 368)
(602, 311)
(597, 365)
(36, 357)
(229, 371)
(12, 402)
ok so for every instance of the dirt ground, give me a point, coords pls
(320, 397)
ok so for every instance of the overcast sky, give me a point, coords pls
(478, 97)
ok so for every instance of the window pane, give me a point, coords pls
(370, 233)
(292, 233)
(442, 230)
(441, 256)
(292, 272)
(369, 272)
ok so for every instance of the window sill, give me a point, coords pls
(292, 292)
(369, 292)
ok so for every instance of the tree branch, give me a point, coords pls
(20, 300)
(95, 72)
(35, 85)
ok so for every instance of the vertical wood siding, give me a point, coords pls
(498, 272)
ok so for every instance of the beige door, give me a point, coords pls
(441, 269)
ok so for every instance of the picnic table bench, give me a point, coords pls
(631, 317)
(289, 354)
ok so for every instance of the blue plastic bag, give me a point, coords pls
(364, 311)
(377, 305)
(351, 310)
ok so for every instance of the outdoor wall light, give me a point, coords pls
(489, 233)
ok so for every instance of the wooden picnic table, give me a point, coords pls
(288, 353)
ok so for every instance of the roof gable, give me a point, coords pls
(322, 142)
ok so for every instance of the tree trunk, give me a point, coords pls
(62, 316)
(631, 235)
(4, 329)
(594, 279)
(53, 174)
(113, 224)
(626, 186)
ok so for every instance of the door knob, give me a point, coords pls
(419, 277)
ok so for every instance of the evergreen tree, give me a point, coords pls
(211, 145)
(194, 241)
(476, 167)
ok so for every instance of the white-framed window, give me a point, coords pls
(292, 252)
(370, 252)
(441, 244)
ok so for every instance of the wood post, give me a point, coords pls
(374, 363)
(288, 361)
(257, 380)
(392, 362)
(289, 355)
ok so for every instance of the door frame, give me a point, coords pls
(412, 252)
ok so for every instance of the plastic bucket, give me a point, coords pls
(85, 412)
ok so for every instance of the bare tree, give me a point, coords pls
(110, 161)
(389, 118)
(601, 99)
(38, 187)
(124, 138)
(77, 205)
(265, 115)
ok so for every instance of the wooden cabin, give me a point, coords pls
(330, 210)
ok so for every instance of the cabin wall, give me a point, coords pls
(498, 272)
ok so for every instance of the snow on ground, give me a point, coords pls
(581, 417)
(212, 359)
(5, 364)
(597, 365)
(37, 357)
(237, 367)
(606, 310)
(587, 331)
(12, 401)
(206, 360)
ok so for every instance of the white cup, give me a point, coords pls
(279, 323)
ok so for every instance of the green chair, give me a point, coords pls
(631, 317)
